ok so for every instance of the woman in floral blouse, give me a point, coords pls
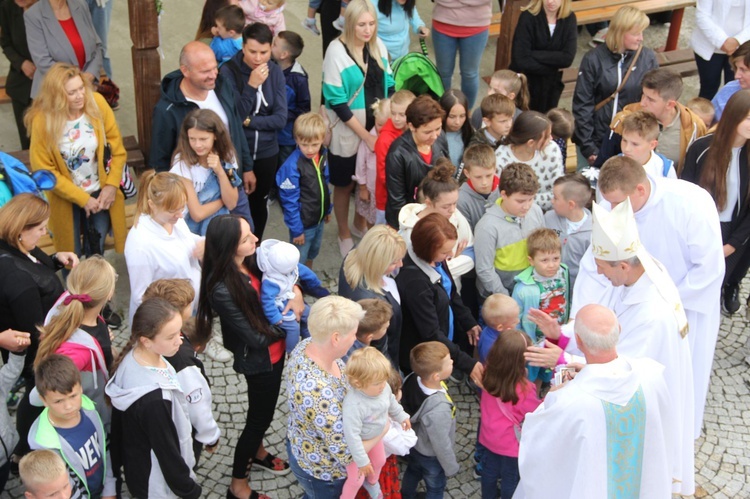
(316, 385)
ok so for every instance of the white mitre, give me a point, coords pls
(615, 237)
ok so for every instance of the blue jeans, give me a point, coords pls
(101, 17)
(470, 50)
(313, 487)
(496, 467)
(82, 225)
(295, 329)
(313, 240)
(427, 468)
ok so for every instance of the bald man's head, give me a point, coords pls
(597, 330)
(199, 67)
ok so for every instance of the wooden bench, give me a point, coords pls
(587, 12)
(135, 159)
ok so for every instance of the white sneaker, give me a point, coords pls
(311, 25)
(217, 352)
(339, 23)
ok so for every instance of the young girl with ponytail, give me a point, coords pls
(75, 328)
(151, 409)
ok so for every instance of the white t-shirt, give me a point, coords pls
(78, 149)
(213, 103)
(195, 173)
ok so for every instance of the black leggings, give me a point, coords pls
(265, 176)
(26, 414)
(262, 394)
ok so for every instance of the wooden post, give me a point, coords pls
(144, 33)
(674, 29)
(507, 29)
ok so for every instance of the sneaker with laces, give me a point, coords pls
(311, 25)
(339, 23)
(217, 352)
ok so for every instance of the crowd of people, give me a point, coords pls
(584, 306)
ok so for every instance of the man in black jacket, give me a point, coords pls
(196, 84)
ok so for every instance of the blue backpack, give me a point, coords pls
(15, 179)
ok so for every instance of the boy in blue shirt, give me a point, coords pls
(303, 187)
(70, 425)
(500, 313)
(227, 40)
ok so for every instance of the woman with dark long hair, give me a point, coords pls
(719, 163)
(230, 285)
(395, 17)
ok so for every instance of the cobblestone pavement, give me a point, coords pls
(722, 461)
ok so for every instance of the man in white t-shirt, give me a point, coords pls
(196, 84)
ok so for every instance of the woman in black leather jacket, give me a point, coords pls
(29, 287)
(230, 285)
(599, 77)
(413, 154)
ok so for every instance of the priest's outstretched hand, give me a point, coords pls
(547, 356)
(545, 322)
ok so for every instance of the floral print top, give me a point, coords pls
(316, 427)
(78, 149)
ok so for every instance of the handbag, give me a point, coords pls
(517, 425)
(110, 91)
(127, 186)
(331, 125)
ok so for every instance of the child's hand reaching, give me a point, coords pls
(406, 425)
(366, 470)
(299, 240)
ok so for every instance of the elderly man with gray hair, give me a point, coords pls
(607, 432)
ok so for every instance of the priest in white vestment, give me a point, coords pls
(647, 304)
(679, 226)
(604, 434)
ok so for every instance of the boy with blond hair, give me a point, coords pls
(640, 136)
(392, 130)
(500, 235)
(44, 474)
(704, 109)
(570, 219)
(500, 313)
(480, 190)
(433, 419)
(303, 187)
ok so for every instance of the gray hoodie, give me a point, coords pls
(473, 205)
(575, 244)
(500, 247)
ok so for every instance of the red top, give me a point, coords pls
(277, 349)
(387, 135)
(457, 31)
(69, 27)
(427, 157)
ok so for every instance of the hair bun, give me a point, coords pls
(443, 170)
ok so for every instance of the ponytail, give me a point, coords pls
(164, 190)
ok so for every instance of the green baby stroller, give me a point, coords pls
(416, 72)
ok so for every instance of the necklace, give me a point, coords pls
(144, 362)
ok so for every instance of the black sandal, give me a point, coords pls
(273, 464)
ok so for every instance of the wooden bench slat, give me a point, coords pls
(135, 156)
(4, 98)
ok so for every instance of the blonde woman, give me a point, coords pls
(366, 273)
(69, 125)
(316, 382)
(545, 41)
(355, 74)
(601, 73)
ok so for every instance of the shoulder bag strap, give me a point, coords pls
(622, 83)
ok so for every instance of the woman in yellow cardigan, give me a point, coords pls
(69, 126)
